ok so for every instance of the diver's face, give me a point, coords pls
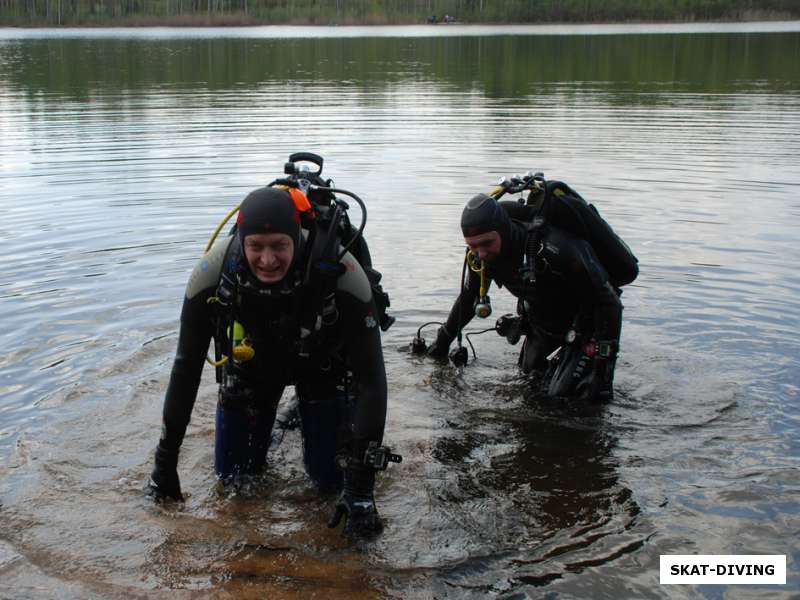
(269, 255)
(485, 246)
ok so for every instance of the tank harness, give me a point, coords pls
(312, 282)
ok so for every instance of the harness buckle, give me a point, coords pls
(330, 313)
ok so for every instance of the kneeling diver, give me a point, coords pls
(257, 293)
(565, 265)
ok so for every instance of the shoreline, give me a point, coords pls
(238, 21)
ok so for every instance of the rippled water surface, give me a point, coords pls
(121, 151)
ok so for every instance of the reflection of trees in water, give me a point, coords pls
(532, 484)
(501, 66)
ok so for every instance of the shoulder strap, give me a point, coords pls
(228, 286)
(537, 226)
(317, 305)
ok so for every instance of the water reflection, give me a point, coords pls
(524, 490)
(501, 67)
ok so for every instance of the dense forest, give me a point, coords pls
(374, 12)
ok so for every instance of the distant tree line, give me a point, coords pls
(374, 12)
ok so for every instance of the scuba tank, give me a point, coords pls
(556, 203)
(565, 208)
(330, 214)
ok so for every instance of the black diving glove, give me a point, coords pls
(164, 482)
(439, 348)
(356, 504)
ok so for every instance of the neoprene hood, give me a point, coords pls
(269, 210)
(483, 214)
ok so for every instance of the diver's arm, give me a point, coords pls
(197, 327)
(195, 334)
(362, 347)
(361, 343)
(464, 307)
(365, 357)
(356, 503)
(193, 340)
(196, 330)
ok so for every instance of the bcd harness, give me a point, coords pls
(310, 286)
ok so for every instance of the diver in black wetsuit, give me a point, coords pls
(565, 265)
(275, 325)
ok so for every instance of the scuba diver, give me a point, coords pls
(286, 303)
(565, 264)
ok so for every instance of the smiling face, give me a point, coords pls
(269, 255)
(485, 246)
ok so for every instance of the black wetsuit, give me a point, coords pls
(350, 344)
(572, 286)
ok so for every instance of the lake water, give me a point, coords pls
(120, 151)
